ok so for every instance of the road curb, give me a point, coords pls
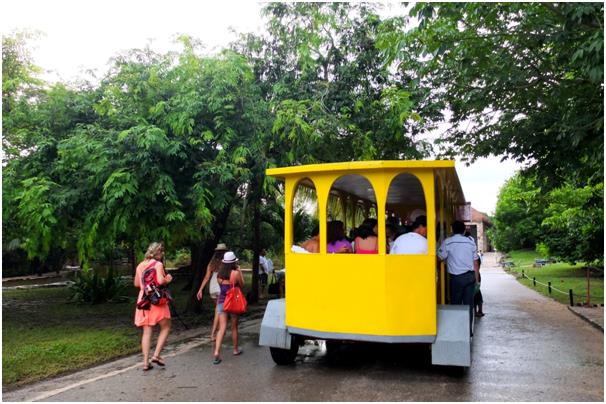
(589, 320)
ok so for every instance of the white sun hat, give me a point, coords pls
(229, 258)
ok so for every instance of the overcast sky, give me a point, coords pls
(83, 35)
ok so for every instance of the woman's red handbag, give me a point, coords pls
(235, 302)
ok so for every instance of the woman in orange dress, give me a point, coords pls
(157, 314)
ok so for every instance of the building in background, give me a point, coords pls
(478, 226)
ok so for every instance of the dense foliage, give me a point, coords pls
(523, 80)
(566, 222)
(91, 287)
(158, 150)
(518, 215)
(174, 146)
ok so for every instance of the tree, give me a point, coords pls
(522, 80)
(37, 210)
(196, 123)
(160, 153)
(20, 89)
(574, 224)
(332, 99)
(566, 221)
(518, 215)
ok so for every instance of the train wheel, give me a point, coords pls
(285, 356)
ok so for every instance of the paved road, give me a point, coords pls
(527, 348)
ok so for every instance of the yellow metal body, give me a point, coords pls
(372, 295)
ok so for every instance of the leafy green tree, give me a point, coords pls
(574, 224)
(20, 88)
(157, 151)
(37, 209)
(523, 80)
(186, 145)
(566, 222)
(518, 215)
(332, 98)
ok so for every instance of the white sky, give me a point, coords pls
(83, 35)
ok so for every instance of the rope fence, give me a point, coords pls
(570, 293)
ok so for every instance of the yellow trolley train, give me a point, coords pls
(376, 297)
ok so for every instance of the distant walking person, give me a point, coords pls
(154, 313)
(266, 267)
(212, 269)
(462, 261)
(478, 299)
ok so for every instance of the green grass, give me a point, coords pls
(44, 335)
(562, 276)
(29, 356)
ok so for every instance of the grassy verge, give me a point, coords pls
(44, 335)
(562, 276)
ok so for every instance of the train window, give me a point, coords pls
(351, 200)
(405, 203)
(305, 218)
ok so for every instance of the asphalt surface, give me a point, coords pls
(526, 348)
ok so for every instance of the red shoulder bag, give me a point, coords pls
(235, 302)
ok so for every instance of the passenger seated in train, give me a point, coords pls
(337, 242)
(391, 232)
(414, 242)
(366, 240)
(313, 244)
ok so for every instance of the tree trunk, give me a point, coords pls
(197, 259)
(132, 259)
(111, 260)
(202, 252)
(36, 266)
(254, 291)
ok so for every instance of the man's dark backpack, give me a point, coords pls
(153, 292)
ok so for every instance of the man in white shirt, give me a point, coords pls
(414, 242)
(462, 262)
(263, 270)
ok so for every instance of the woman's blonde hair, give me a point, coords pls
(153, 250)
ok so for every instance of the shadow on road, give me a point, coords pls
(355, 356)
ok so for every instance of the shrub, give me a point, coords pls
(542, 250)
(90, 287)
(182, 258)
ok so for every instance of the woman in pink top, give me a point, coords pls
(157, 314)
(366, 241)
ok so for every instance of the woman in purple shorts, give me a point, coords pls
(229, 274)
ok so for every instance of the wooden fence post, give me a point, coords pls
(570, 295)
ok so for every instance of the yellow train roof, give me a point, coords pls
(359, 165)
(350, 185)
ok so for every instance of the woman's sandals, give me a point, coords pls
(158, 361)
